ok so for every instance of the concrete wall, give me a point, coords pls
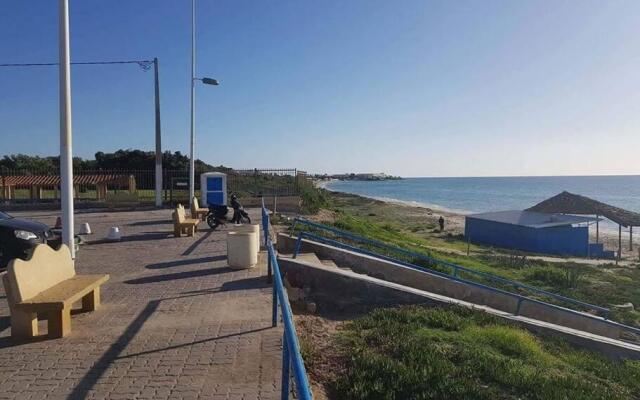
(332, 289)
(447, 287)
(562, 240)
(355, 295)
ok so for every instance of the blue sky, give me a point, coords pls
(414, 88)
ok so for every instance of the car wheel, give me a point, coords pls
(4, 257)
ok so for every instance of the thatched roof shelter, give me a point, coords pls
(569, 203)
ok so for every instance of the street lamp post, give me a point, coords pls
(66, 158)
(207, 81)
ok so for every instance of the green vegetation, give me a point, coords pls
(313, 199)
(456, 353)
(120, 160)
(601, 285)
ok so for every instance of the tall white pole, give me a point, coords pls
(193, 102)
(66, 159)
(158, 135)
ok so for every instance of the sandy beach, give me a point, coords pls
(454, 221)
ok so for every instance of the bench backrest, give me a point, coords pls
(180, 213)
(194, 204)
(45, 268)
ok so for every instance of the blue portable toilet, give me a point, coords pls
(213, 188)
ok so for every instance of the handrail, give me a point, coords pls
(521, 298)
(290, 347)
(456, 268)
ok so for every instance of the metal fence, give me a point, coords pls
(291, 356)
(95, 186)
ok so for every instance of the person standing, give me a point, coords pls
(441, 223)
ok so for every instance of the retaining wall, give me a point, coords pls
(406, 276)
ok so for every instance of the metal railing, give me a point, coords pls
(454, 267)
(291, 356)
(521, 298)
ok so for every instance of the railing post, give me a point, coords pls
(274, 302)
(298, 245)
(520, 299)
(286, 363)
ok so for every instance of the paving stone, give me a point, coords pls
(175, 322)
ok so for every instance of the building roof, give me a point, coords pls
(569, 203)
(54, 180)
(532, 219)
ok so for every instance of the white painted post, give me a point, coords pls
(158, 136)
(192, 172)
(66, 158)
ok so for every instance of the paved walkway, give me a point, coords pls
(175, 322)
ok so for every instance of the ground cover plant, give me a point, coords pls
(456, 353)
(601, 285)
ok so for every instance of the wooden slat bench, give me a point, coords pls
(181, 224)
(47, 285)
(198, 212)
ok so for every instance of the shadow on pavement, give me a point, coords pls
(98, 369)
(179, 275)
(178, 263)
(195, 244)
(149, 223)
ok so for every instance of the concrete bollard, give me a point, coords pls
(85, 229)
(114, 234)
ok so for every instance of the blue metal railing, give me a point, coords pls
(454, 267)
(521, 299)
(291, 356)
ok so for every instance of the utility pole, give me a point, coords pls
(66, 154)
(158, 136)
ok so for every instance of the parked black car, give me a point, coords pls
(19, 236)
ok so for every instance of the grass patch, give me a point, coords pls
(456, 353)
(399, 226)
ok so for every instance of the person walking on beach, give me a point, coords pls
(441, 222)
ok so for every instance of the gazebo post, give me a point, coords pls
(619, 241)
(597, 229)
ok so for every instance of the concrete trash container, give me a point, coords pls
(241, 250)
(249, 228)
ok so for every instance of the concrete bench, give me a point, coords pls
(181, 224)
(47, 285)
(198, 212)
(122, 199)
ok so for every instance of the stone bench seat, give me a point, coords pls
(65, 293)
(181, 224)
(46, 286)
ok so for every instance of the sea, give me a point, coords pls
(473, 195)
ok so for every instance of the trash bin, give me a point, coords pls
(249, 228)
(241, 250)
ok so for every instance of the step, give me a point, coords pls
(609, 347)
(329, 263)
(309, 257)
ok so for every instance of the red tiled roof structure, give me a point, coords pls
(54, 180)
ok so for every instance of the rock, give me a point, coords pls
(295, 294)
(312, 307)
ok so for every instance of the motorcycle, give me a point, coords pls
(217, 216)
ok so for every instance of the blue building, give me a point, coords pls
(534, 232)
